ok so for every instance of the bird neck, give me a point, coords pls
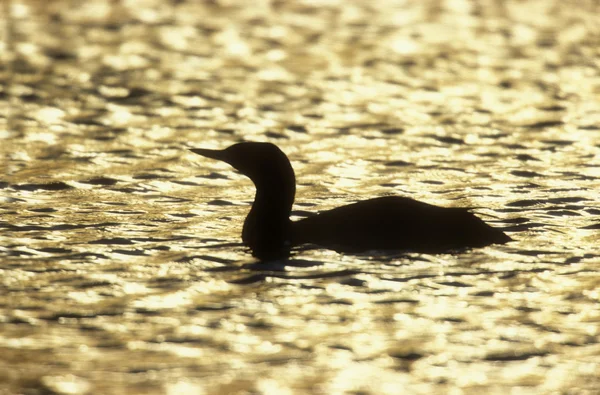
(272, 202)
(275, 192)
(267, 228)
(276, 201)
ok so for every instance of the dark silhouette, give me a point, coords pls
(384, 223)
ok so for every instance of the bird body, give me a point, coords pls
(384, 223)
(398, 223)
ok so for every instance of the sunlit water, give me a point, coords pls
(121, 264)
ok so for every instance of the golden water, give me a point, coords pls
(120, 264)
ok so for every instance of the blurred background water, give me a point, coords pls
(121, 268)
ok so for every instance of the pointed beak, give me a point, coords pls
(210, 153)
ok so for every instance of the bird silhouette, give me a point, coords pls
(383, 223)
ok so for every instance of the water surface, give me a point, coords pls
(121, 264)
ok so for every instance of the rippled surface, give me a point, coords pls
(121, 268)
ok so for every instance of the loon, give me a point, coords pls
(383, 223)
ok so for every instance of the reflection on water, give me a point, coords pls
(122, 268)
